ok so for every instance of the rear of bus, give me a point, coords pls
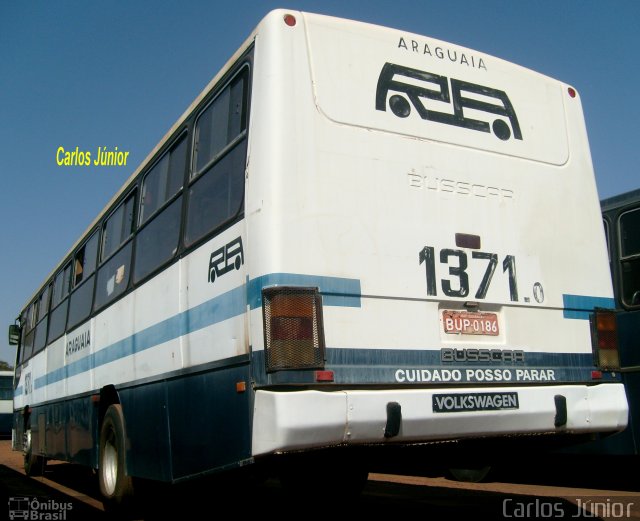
(426, 248)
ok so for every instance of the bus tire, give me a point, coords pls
(33, 463)
(470, 475)
(116, 486)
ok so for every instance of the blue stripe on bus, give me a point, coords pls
(580, 306)
(336, 292)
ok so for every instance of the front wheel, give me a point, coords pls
(116, 486)
(33, 463)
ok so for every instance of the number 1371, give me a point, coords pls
(458, 261)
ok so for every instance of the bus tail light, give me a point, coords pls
(604, 332)
(293, 329)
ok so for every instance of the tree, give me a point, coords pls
(5, 366)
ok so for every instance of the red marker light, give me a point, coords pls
(572, 92)
(290, 20)
(324, 376)
(596, 375)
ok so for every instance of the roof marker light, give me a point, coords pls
(290, 20)
(572, 92)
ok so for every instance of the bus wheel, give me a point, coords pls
(115, 486)
(470, 475)
(33, 464)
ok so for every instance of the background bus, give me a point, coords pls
(347, 241)
(6, 402)
(621, 215)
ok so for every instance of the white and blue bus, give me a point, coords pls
(354, 237)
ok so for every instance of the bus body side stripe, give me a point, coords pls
(336, 291)
(580, 306)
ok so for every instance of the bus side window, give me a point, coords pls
(43, 320)
(629, 230)
(83, 281)
(113, 274)
(118, 228)
(163, 181)
(224, 120)
(157, 242)
(59, 303)
(216, 194)
(28, 332)
(23, 330)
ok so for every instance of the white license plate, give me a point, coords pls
(470, 323)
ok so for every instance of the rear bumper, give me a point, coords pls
(296, 420)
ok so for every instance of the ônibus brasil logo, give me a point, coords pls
(34, 509)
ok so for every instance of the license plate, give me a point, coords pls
(470, 323)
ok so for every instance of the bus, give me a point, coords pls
(354, 238)
(621, 216)
(6, 403)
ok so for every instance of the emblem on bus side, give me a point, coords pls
(224, 259)
(414, 90)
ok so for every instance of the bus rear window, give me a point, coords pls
(629, 236)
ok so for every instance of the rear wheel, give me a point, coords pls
(116, 486)
(470, 475)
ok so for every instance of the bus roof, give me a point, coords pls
(620, 200)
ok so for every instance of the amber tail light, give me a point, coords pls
(604, 336)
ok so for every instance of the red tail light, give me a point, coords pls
(293, 330)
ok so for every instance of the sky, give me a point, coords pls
(120, 73)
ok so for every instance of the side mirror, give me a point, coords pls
(14, 334)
